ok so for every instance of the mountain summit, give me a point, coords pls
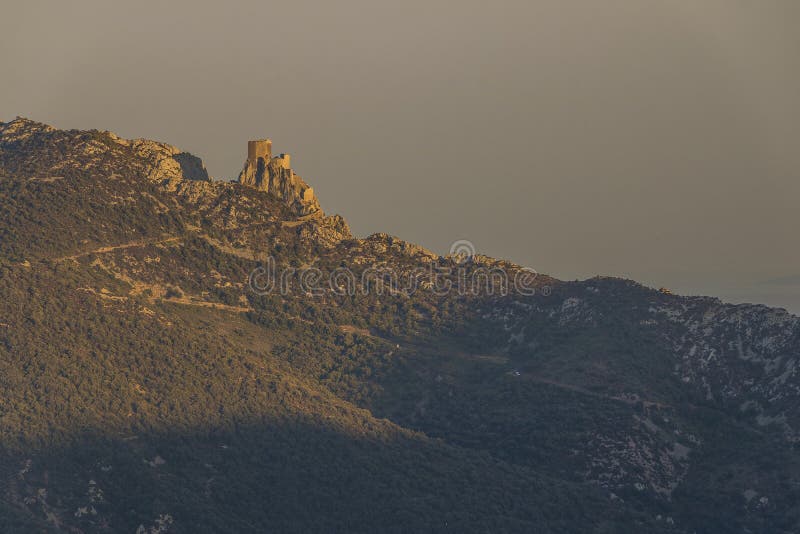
(179, 354)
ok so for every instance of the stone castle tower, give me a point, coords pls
(274, 175)
(260, 148)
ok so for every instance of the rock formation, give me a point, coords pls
(169, 163)
(274, 175)
(159, 162)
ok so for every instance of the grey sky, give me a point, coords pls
(656, 140)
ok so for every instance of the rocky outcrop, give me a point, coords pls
(93, 150)
(168, 163)
(21, 129)
(383, 243)
(326, 231)
(274, 175)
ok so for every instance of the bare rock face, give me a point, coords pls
(169, 163)
(275, 176)
(326, 231)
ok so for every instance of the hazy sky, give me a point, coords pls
(656, 140)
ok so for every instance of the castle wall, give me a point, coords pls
(261, 148)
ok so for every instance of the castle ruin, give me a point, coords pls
(260, 148)
(275, 175)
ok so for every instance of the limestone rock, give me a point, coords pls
(168, 162)
(326, 231)
(382, 243)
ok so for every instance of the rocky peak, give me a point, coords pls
(21, 129)
(92, 150)
(275, 175)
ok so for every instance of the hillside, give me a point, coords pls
(173, 359)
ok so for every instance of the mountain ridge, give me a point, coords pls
(133, 338)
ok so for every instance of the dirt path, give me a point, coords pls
(584, 391)
(132, 244)
(350, 329)
(302, 219)
(500, 360)
(186, 301)
(244, 253)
